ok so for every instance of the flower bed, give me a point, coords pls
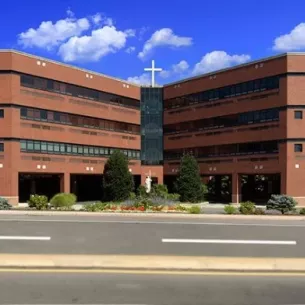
(134, 208)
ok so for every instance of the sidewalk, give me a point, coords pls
(150, 262)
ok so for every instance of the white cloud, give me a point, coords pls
(177, 69)
(99, 19)
(92, 47)
(49, 34)
(182, 66)
(130, 32)
(218, 60)
(130, 50)
(293, 41)
(144, 79)
(164, 37)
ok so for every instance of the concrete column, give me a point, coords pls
(236, 188)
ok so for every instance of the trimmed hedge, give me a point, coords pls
(63, 201)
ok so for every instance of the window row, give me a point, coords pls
(73, 149)
(77, 91)
(245, 118)
(225, 150)
(77, 120)
(267, 83)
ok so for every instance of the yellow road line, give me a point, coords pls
(139, 272)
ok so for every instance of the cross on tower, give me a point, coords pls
(153, 70)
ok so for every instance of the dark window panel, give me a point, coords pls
(298, 114)
(62, 88)
(298, 147)
(1, 113)
(268, 83)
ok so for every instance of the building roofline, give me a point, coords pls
(264, 59)
(66, 65)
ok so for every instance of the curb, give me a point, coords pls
(139, 214)
(152, 263)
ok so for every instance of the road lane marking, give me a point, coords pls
(160, 272)
(37, 238)
(154, 222)
(229, 241)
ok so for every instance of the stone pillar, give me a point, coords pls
(236, 188)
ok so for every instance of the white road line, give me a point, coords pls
(230, 241)
(38, 238)
(154, 222)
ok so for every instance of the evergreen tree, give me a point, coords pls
(188, 184)
(117, 180)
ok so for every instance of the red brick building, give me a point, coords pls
(58, 125)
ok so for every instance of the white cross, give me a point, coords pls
(153, 70)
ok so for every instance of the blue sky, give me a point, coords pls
(120, 38)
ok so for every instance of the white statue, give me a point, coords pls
(148, 184)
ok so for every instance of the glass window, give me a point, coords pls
(56, 148)
(96, 151)
(43, 115)
(69, 149)
(80, 150)
(37, 146)
(74, 149)
(50, 116)
(43, 146)
(298, 114)
(23, 112)
(1, 113)
(50, 147)
(91, 151)
(30, 145)
(56, 116)
(22, 145)
(298, 147)
(1, 146)
(62, 148)
(86, 150)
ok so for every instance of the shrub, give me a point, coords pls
(173, 197)
(302, 211)
(63, 201)
(95, 207)
(247, 208)
(144, 202)
(159, 190)
(181, 208)
(4, 205)
(39, 202)
(189, 183)
(117, 180)
(259, 211)
(132, 196)
(141, 191)
(230, 209)
(195, 209)
(282, 203)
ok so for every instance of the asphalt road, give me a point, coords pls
(145, 288)
(132, 235)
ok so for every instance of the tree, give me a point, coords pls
(117, 180)
(189, 184)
